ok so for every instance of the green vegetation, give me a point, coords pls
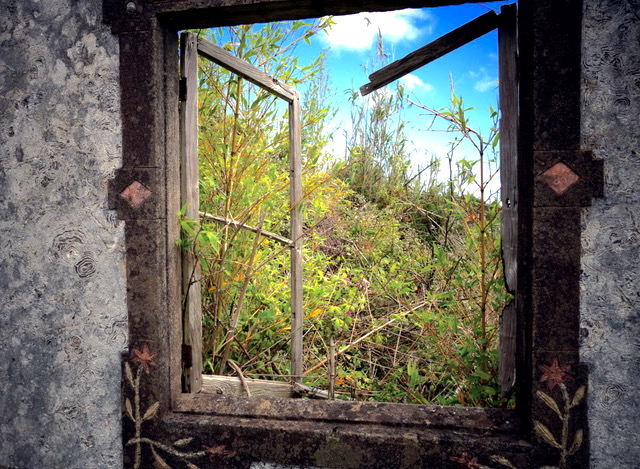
(401, 271)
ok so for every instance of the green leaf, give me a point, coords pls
(128, 373)
(502, 460)
(495, 141)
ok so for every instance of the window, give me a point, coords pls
(159, 421)
(191, 47)
(219, 296)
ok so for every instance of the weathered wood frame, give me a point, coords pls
(191, 48)
(341, 434)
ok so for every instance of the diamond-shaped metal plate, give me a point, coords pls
(559, 178)
(136, 193)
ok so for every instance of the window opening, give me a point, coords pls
(255, 227)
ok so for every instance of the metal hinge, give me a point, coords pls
(187, 361)
(183, 89)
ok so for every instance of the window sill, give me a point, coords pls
(498, 421)
(342, 434)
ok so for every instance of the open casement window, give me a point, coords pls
(192, 271)
(505, 22)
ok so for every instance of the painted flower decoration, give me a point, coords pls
(465, 461)
(218, 451)
(144, 358)
(554, 374)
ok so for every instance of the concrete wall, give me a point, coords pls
(62, 291)
(610, 300)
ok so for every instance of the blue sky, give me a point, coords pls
(351, 44)
(350, 47)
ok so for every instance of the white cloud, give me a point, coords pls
(483, 82)
(359, 32)
(414, 83)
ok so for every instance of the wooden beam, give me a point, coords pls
(507, 54)
(237, 224)
(245, 70)
(189, 190)
(295, 162)
(234, 386)
(192, 14)
(441, 46)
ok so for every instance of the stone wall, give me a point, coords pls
(63, 320)
(611, 231)
(62, 288)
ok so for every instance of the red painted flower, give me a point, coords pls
(144, 358)
(218, 451)
(465, 461)
(554, 374)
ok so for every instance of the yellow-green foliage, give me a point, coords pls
(401, 272)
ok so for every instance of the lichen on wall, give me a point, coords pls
(62, 286)
(610, 293)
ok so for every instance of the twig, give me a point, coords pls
(243, 381)
(332, 368)
(347, 347)
(237, 224)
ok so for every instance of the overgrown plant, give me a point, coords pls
(402, 271)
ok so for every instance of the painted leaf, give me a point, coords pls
(127, 405)
(545, 434)
(577, 441)
(551, 403)
(128, 373)
(502, 460)
(577, 397)
(151, 411)
(158, 461)
(182, 442)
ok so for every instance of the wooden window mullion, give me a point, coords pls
(507, 53)
(295, 158)
(190, 199)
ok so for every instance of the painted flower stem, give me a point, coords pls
(565, 426)
(167, 449)
(138, 420)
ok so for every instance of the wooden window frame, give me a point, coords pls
(238, 431)
(191, 49)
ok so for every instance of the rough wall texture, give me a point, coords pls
(611, 231)
(62, 291)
